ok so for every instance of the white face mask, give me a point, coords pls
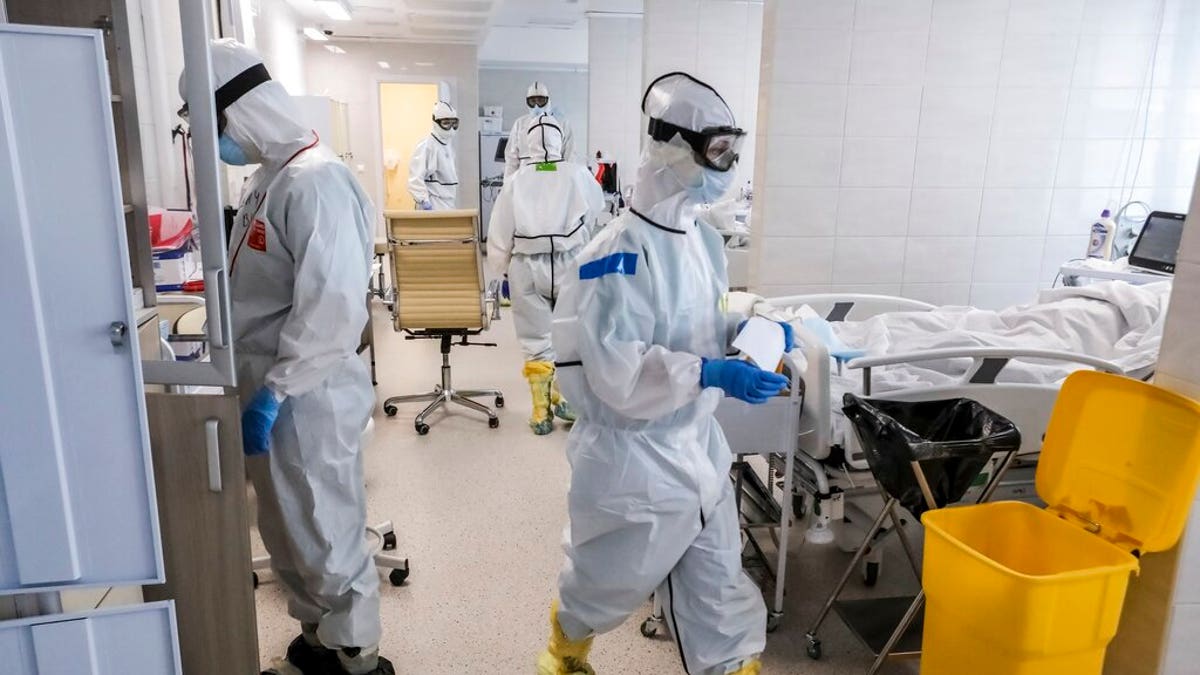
(704, 185)
(444, 135)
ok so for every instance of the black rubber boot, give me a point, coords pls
(384, 667)
(308, 659)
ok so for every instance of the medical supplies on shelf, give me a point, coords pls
(173, 239)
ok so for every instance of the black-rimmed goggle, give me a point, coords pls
(448, 123)
(715, 147)
(228, 93)
(537, 101)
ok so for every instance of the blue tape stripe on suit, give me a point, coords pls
(617, 263)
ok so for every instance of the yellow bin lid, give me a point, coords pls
(1121, 458)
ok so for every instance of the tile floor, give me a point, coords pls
(480, 513)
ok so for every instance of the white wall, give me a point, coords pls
(718, 42)
(956, 150)
(615, 90)
(518, 46)
(354, 78)
(274, 30)
(1179, 369)
(568, 93)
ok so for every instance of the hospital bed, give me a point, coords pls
(828, 468)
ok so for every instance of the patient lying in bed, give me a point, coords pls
(1114, 321)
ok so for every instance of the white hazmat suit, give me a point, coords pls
(651, 504)
(518, 151)
(299, 260)
(432, 173)
(544, 215)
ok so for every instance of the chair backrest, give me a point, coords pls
(438, 270)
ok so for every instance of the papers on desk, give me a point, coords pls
(762, 341)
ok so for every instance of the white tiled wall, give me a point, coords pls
(967, 144)
(719, 42)
(615, 89)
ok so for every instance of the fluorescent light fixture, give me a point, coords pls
(335, 49)
(384, 64)
(338, 10)
(314, 34)
(423, 64)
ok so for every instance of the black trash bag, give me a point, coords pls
(953, 439)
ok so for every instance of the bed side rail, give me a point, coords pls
(851, 306)
(988, 362)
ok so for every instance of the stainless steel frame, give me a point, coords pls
(195, 19)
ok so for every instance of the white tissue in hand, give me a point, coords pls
(763, 341)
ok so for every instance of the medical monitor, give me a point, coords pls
(501, 145)
(1158, 243)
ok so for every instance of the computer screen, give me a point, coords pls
(500, 147)
(1158, 244)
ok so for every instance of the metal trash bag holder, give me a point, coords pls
(924, 455)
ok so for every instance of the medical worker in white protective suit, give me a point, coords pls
(543, 217)
(432, 174)
(299, 258)
(642, 337)
(518, 151)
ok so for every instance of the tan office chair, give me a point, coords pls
(439, 294)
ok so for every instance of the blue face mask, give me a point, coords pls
(537, 110)
(231, 152)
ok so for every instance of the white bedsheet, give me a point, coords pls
(1114, 321)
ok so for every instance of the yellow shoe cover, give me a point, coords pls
(562, 656)
(751, 668)
(540, 374)
(562, 410)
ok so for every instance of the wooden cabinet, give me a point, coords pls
(198, 466)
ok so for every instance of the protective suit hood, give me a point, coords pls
(670, 183)
(545, 140)
(264, 121)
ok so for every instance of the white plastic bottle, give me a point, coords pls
(1101, 243)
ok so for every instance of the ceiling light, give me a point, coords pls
(384, 64)
(338, 10)
(424, 64)
(335, 49)
(314, 34)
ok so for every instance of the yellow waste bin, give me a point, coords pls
(1012, 589)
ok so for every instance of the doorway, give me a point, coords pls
(405, 115)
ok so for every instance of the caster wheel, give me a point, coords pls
(773, 621)
(870, 573)
(650, 628)
(389, 541)
(254, 579)
(398, 576)
(494, 422)
(799, 508)
(814, 649)
(499, 401)
(391, 308)
(421, 428)
(389, 410)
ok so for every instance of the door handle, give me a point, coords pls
(118, 332)
(212, 443)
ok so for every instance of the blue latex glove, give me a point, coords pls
(257, 421)
(789, 335)
(425, 205)
(741, 380)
